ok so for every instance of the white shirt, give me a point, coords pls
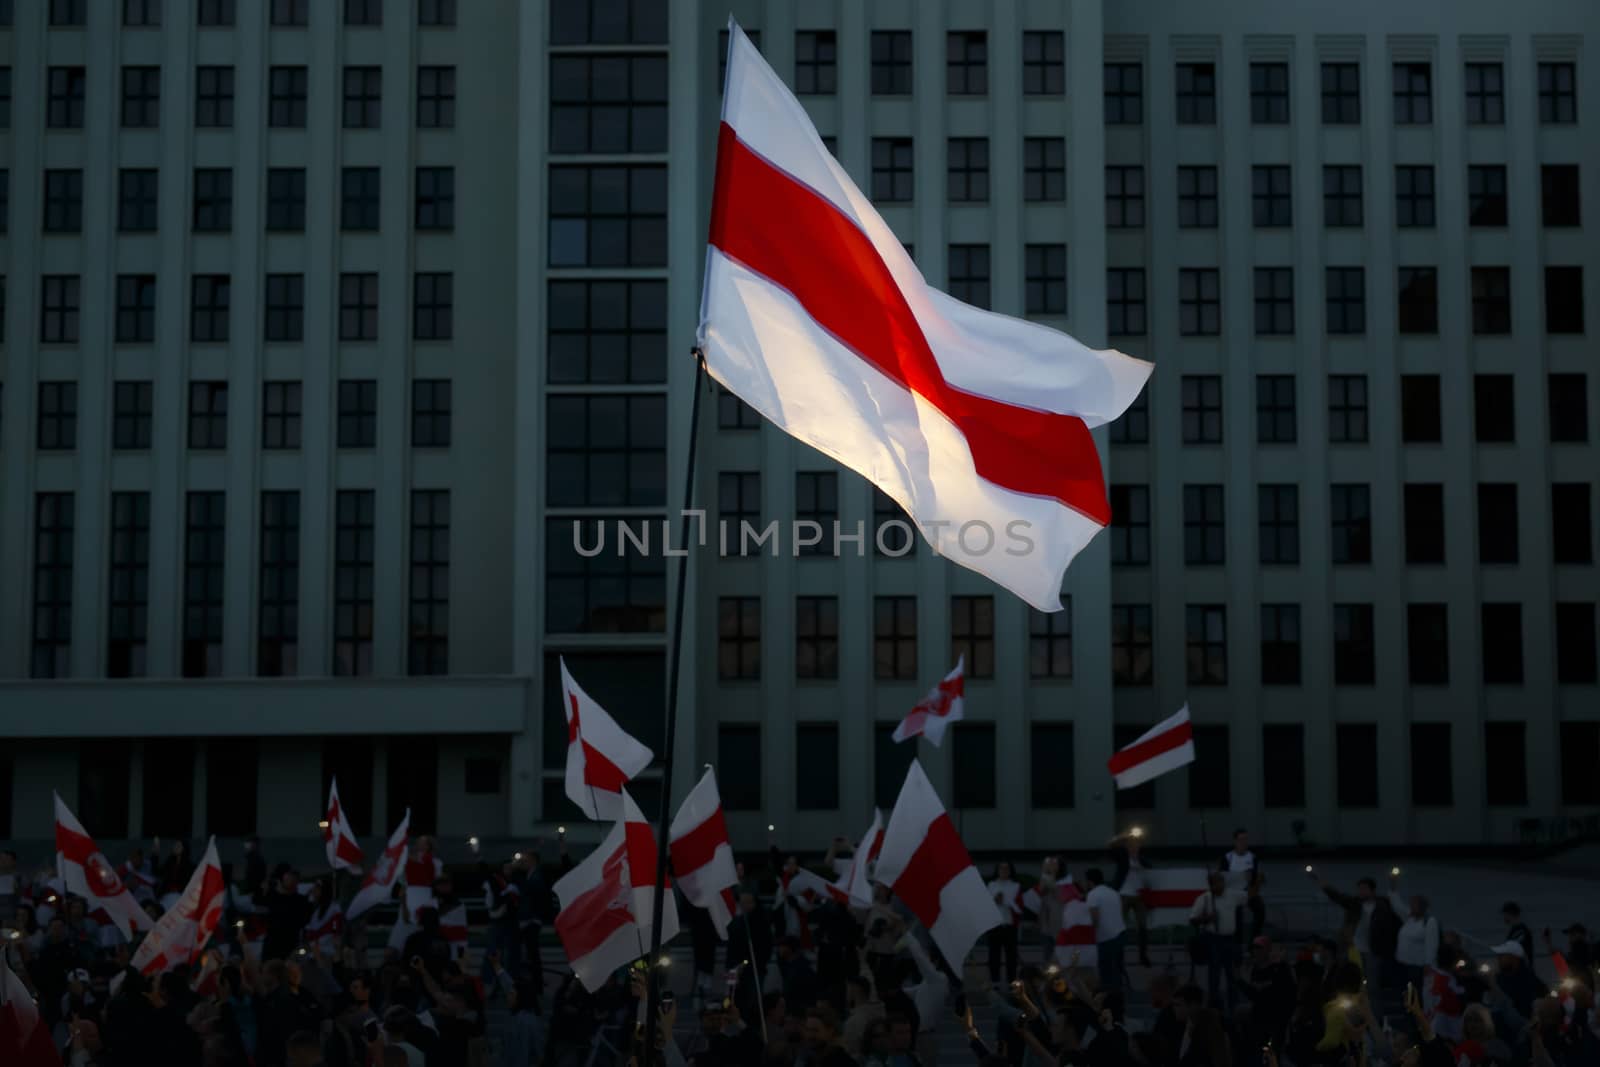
(1237, 868)
(1418, 943)
(1106, 905)
(1006, 894)
(1224, 906)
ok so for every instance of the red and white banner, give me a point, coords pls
(1164, 747)
(84, 870)
(378, 885)
(814, 314)
(606, 901)
(180, 936)
(927, 866)
(1170, 892)
(601, 756)
(1075, 941)
(702, 855)
(338, 839)
(857, 880)
(944, 704)
(421, 870)
(809, 889)
(453, 928)
(24, 1038)
(325, 927)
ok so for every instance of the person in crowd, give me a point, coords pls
(1242, 871)
(1516, 929)
(286, 911)
(1127, 852)
(1269, 986)
(1105, 907)
(823, 1045)
(1579, 955)
(863, 1008)
(884, 929)
(11, 884)
(1007, 895)
(1514, 977)
(1048, 890)
(1417, 943)
(1216, 913)
(799, 977)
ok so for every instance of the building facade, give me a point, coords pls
(259, 255)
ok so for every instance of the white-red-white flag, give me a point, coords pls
(945, 703)
(702, 855)
(857, 880)
(84, 870)
(809, 890)
(1169, 893)
(607, 900)
(24, 1038)
(453, 928)
(601, 756)
(378, 885)
(325, 927)
(927, 866)
(1166, 746)
(814, 314)
(1075, 941)
(338, 839)
(180, 936)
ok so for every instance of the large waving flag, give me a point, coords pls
(1164, 747)
(378, 885)
(601, 756)
(24, 1038)
(84, 870)
(180, 936)
(702, 855)
(338, 839)
(814, 314)
(945, 703)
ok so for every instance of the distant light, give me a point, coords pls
(322, 824)
(472, 842)
(1308, 868)
(516, 855)
(770, 828)
(561, 830)
(1137, 831)
(664, 961)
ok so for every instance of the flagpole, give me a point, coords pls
(755, 973)
(675, 656)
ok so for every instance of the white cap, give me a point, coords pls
(1510, 948)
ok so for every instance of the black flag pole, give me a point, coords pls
(675, 656)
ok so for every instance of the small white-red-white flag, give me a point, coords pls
(809, 890)
(180, 936)
(927, 866)
(702, 855)
(601, 756)
(1075, 941)
(1169, 893)
(84, 870)
(453, 928)
(607, 901)
(325, 927)
(945, 703)
(338, 839)
(857, 880)
(422, 869)
(1164, 747)
(24, 1038)
(378, 885)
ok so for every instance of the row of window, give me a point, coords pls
(149, 14)
(277, 649)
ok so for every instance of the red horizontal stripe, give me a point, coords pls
(696, 848)
(939, 858)
(1151, 747)
(1170, 898)
(782, 230)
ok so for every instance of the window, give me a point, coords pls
(358, 307)
(1203, 530)
(816, 633)
(141, 97)
(967, 170)
(1044, 169)
(1558, 194)
(285, 307)
(1497, 522)
(1563, 299)
(1568, 404)
(1351, 509)
(359, 201)
(433, 303)
(363, 12)
(1494, 408)
(1430, 765)
(1275, 409)
(1124, 94)
(358, 413)
(1202, 409)
(1280, 644)
(625, 22)
(739, 750)
(1486, 195)
(480, 776)
(735, 414)
(1132, 654)
(607, 103)
(605, 450)
(1502, 644)
(973, 767)
(58, 309)
(131, 405)
(65, 13)
(430, 413)
(1354, 645)
(66, 92)
(286, 199)
(436, 198)
(286, 97)
(890, 762)
(1278, 523)
(128, 572)
(1043, 63)
(353, 539)
(1347, 408)
(1558, 93)
(1486, 94)
(210, 296)
(891, 62)
(57, 430)
(1575, 643)
(891, 169)
(816, 762)
(816, 500)
(1051, 765)
(1413, 196)
(213, 97)
(363, 96)
(1197, 94)
(1199, 302)
(1346, 304)
(428, 629)
(739, 638)
(969, 274)
(1569, 519)
(1206, 639)
(1125, 316)
(52, 585)
(289, 12)
(1413, 94)
(815, 59)
(1045, 271)
(208, 415)
(1210, 779)
(1269, 93)
(436, 13)
(436, 99)
(972, 633)
(1505, 749)
(1197, 197)
(1418, 300)
(1341, 94)
(1274, 301)
(893, 534)
(613, 331)
(63, 201)
(1271, 203)
(216, 12)
(1341, 196)
(136, 308)
(280, 415)
(1124, 197)
(5, 96)
(1424, 522)
(1428, 645)
(1283, 765)
(608, 216)
(136, 201)
(1050, 642)
(1355, 746)
(894, 637)
(966, 65)
(1130, 525)
(1491, 300)
(213, 200)
(1580, 744)
(278, 585)
(205, 518)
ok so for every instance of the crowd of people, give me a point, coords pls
(806, 979)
